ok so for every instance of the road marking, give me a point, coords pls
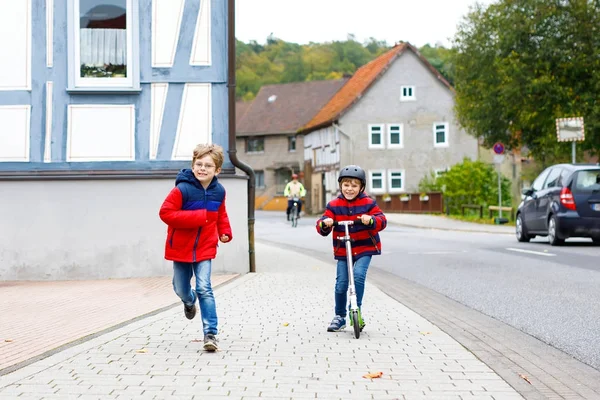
(437, 252)
(538, 253)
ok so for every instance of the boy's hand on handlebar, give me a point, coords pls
(366, 219)
(328, 222)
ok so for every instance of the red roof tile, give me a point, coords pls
(360, 82)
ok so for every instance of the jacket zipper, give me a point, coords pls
(171, 239)
(196, 245)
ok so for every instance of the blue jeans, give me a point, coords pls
(182, 274)
(341, 283)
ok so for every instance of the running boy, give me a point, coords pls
(197, 219)
(352, 204)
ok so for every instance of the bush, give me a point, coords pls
(470, 182)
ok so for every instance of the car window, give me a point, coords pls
(553, 178)
(587, 181)
(538, 184)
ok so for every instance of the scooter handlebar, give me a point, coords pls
(358, 221)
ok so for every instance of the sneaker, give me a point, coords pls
(337, 324)
(189, 311)
(210, 342)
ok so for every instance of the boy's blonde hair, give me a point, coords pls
(214, 150)
(350, 180)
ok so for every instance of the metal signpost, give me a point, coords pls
(498, 160)
(570, 130)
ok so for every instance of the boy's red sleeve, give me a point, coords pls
(172, 214)
(378, 217)
(223, 226)
(322, 229)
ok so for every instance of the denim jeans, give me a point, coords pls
(182, 274)
(341, 283)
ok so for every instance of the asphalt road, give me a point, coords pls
(551, 293)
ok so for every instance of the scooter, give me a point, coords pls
(354, 313)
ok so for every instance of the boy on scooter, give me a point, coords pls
(352, 204)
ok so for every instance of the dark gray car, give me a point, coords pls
(563, 202)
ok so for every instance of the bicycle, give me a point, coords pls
(294, 212)
(354, 314)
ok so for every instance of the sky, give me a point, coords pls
(302, 21)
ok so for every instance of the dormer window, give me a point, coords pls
(407, 93)
(272, 98)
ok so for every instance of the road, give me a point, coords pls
(548, 292)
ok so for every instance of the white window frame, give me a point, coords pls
(382, 132)
(383, 181)
(402, 189)
(409, 96)
(131, 83)
(446, 142)
(438, 172)
(389, 136)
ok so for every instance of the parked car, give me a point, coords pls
(562, 202)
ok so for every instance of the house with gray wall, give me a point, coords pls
(101, 103)
(394, 118)
(267, 136)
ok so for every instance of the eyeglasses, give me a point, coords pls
(205, 166)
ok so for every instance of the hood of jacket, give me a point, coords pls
(187, 175)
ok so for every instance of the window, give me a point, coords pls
(395, 135)
(376, 136)
(396, 179)
(440, 172)
(377, 182)
(259, 179)
(292, 143)
(553, 179)
(407, 93)
(440, 134)
(538, 184)
(103, 45)
(255, 145)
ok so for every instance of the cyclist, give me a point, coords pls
(294, 189)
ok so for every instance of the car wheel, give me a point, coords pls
(520, 230)
(553, 239)
(596, 241)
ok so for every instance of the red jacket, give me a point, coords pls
(196, 218)
(365, 239)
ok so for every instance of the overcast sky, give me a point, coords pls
(302, 21)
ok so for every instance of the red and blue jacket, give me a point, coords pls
(365, 239)
(196, 218)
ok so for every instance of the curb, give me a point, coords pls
(448, 229)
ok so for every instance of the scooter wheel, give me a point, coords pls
(355, 324)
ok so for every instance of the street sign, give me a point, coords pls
(498, 148)
(570, 129)
(498, 158)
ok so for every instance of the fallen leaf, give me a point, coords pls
(197, 340)
(425, 333)
(373, 375)
(286, 323)
(525, 378)
(142, 351)
(8, 340)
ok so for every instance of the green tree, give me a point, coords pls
(520, 64)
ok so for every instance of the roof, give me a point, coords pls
(240, 110)
(360, 82)
(287, 107)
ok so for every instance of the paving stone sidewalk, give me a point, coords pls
(274, 345)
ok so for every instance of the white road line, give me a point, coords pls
(538, 253)
(436, 252)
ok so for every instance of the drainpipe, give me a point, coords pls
(231, 83)
(338, 129)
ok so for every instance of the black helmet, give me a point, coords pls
(355, 172)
